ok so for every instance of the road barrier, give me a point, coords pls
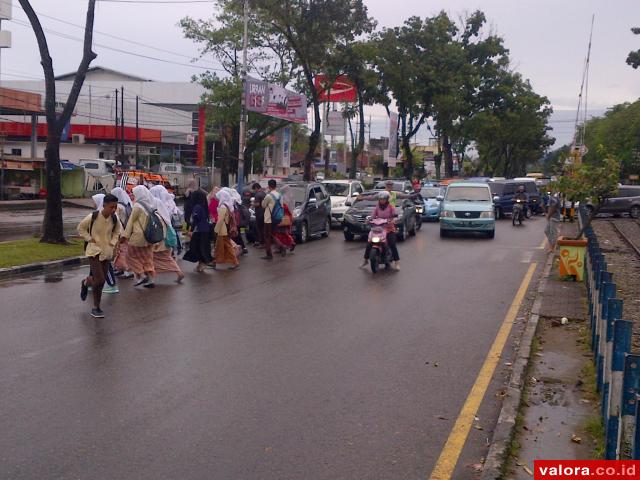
(617, 369)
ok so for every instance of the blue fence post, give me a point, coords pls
(606, 340)
(631, 385)
(622, 331)
(605, 280)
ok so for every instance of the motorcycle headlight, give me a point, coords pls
(419, 209)
(487, 215)
(375, 240)
(297, 212)
(448, 214)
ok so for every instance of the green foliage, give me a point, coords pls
(590, 182)
(618, 134)
(634, 57)
(31, 250)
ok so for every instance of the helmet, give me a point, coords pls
(383, 195)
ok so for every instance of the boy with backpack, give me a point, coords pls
(101, 231)
(273, 214)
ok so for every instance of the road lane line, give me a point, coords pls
(543, 244)
(448, 459)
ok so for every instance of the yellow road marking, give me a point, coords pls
(448, 459)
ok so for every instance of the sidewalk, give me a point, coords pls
(23, 218)
(559, 412)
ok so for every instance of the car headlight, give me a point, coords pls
(297, 212)
(448, 214)
(487, 215)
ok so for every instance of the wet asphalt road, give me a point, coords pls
(306, 368)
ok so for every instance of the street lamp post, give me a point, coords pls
(243, 105)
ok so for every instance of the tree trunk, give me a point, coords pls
(448, 155)
(53, 227)
(224, 164)
(314, 137)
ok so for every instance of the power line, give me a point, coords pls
(156, 1)
(119, 50)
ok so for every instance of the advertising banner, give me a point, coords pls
(341, 90)
(335, 124)
(393, 139)
(275, 101)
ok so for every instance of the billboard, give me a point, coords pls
(275, 101)
(335, 124)
(341, 90)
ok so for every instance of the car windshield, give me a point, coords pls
(337, 189)
(397, 186)
(468, 194)
(430, 192)
(299, 195)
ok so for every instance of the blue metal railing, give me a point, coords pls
(617, 369)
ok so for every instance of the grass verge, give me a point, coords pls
(30, 250)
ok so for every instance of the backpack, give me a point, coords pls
(232, 225)
(172, 237)
(94, 215)
(277, 213)
(127, 213)
(153, 233)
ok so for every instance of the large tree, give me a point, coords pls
(268, 58)
(634, 57)
(52, 229)
(312, 30)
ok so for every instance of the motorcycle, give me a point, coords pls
(518, 215)
(380, 251)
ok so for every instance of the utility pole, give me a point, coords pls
(117, 130)
(122, 123)
(243, 102)
(137, 134)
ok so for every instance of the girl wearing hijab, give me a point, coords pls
(192, 187)
(123, 212)
(163, 261)
(226, 227)
(200, 232)
(140, 252)
(282, 233)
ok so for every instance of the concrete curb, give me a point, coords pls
(504, 431)
(36, 268)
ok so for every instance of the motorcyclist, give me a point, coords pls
(393, 195)
(386, 211)
(521, 195)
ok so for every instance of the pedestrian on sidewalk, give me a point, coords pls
(282, 232)
(123, 212)
(200, 232)
(258, 198)
(163, 260)
(271, 201)
(101, 230)
(554, 218)
(226, 227)
(241, 219)
(140, 252)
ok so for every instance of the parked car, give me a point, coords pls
(312, 210)
(467, 207)
(343, 193)
(430, 194)
(627, 201)
(505, 190)
(354, 223)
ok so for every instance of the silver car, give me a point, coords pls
(627, 201)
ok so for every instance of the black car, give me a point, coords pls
(312, 210)
(355, 224)
(505, 190)
(627, 201)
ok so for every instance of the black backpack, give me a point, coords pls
(94, 215)
(153, 233)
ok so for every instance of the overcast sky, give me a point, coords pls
(547, 40)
